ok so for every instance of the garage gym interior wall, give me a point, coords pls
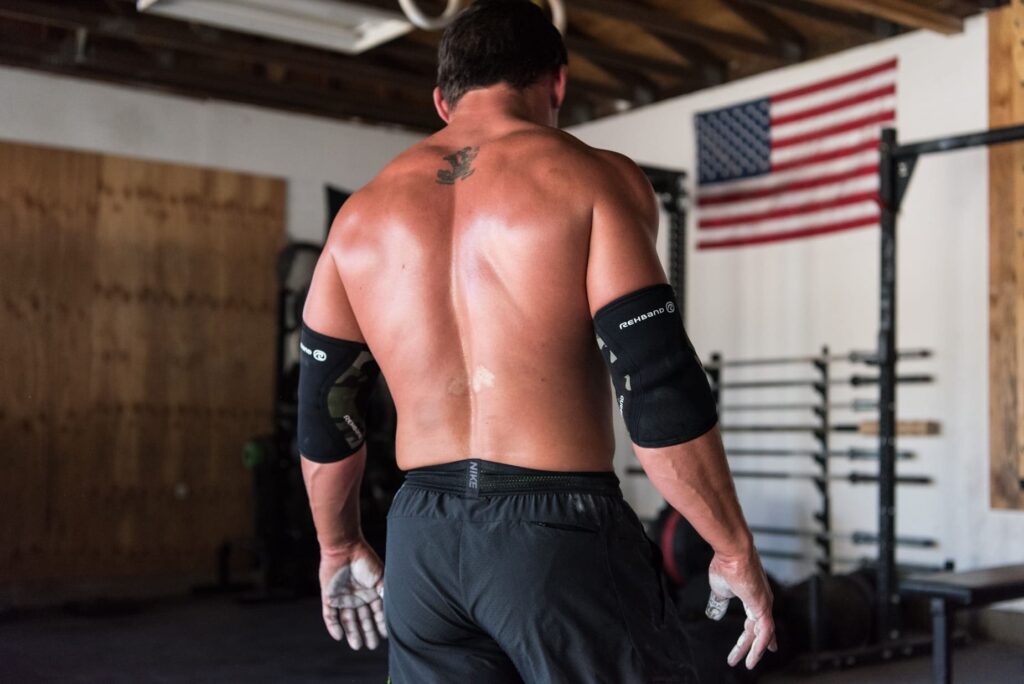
(137, 345)
(308, 152)
(791, 298)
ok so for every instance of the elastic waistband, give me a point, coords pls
(475, 477)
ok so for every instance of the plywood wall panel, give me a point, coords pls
(46, 237)
(136, 347)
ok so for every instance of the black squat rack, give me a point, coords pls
(896, 167)
(897, 163)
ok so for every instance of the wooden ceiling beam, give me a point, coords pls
(208, 41)
(604, 54)
(854, 21)
(705, 68)
(114, 66)
(714, 68)
(903, 12)
(668, 25)
(588, 49)
(770, 24)
(420, 53)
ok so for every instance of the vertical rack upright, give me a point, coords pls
(823, 435)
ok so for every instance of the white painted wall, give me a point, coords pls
(306, 151)
(791, 298)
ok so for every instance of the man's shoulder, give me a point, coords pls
(544, 140)
(602, 163)
(598, 168)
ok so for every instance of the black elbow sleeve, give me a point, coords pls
(661, 388)
(336, 378)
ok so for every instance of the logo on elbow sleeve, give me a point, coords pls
(668, 308)
(318, 354)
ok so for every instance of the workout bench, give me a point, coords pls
(948, 591)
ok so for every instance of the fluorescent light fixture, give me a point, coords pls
(330, 24)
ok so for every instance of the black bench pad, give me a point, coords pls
(973, 587)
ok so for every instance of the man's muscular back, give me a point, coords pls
(472, 265)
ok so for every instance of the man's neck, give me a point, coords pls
(501, 104)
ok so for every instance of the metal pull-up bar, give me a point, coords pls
(995, 136)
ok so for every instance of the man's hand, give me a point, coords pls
(352, 590)
(744, 578)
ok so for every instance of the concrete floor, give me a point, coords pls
(222, 640)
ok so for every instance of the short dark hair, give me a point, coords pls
(495, 41)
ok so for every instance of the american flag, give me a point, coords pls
(800, 163)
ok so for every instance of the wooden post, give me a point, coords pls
(1006, 260)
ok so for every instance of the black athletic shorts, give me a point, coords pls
(503, 574)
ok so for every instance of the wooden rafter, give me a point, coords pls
(109, 65)
(179, 36)
(903, 12)
(671, 26)
(426, 53)
(210, 41)
(853, 21)
(600, 52)
(713, 67)
(770, 24)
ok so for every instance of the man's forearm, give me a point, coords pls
(333, 490)
(694, 478)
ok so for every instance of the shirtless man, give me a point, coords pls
(477, 270)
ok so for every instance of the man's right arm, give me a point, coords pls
(678, 445)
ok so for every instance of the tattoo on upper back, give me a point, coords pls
(461, 162)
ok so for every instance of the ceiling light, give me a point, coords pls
(331, 24)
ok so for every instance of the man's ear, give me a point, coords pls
(558, 87)
(441, 106)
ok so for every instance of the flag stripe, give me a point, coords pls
(762, 238)
(857, 111)
(827, 144)
(825, 156)
(851, 161)
(832, 94)
(811, 196)
(847, 212)
(832, 82)
(862, 122)
(838, 141)
(783, 212)
(835, 105)
(772, 191)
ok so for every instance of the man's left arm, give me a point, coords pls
(337, 373)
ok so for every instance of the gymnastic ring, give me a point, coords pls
(421, 20)
(557, 14)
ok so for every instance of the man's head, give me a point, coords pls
(498, 42)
